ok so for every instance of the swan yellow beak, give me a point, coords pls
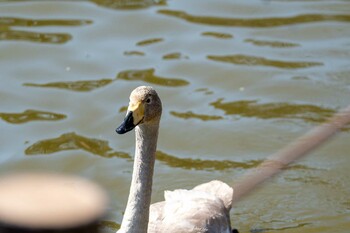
(134, 116)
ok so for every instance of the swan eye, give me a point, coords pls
(148, 100)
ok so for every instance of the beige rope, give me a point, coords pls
(295, 150)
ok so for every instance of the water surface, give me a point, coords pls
(238, 80)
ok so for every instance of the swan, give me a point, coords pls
(205, 208)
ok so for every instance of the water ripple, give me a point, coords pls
(21, 22)
(173, 56)
(199, 164)
(240, 59)
(134, 53)
(255, 22)
(285, 227)
(149, 77)
(109, 225)
(72, 141)
(308, 180)
(218, 35)
(206, 91)
(189, 114)
(274, 44)
(81, 86)
(251, 108)
(7, 33)
(31, 115)
(53, 38)
(129, 4)
(149, 41)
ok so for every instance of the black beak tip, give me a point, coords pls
(120, 130)
(127, 125)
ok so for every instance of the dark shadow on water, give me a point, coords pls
(31, 115)
(81, 86)
(73, 141)
(251, 108)
(240, 59)
(128, 4)
(148, 76)
(256, 22)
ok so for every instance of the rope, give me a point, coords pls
(295, 150)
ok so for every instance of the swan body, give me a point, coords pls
(193, 211)
(203, 209)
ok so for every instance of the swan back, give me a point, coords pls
(199, 210)
(218, 189)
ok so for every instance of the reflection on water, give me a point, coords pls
(149, 77)
(240, 59)
(72, 141)
(7, 33)
(308, 180)
(88, 85)
(255, 22)
(171, 56)
(219, 35)
(149, 41)
(199, 164)
(275, 44)
(132, 53)
(286, 225)
(129, 4)
(109, 225)
(53, 38)
(189, 115)
(31, 115)
(21, 22)
(251, 108)
(123, 109)
(206, 91)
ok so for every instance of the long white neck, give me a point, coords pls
(136, 215)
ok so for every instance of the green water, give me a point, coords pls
(238, 81)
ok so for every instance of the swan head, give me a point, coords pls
(145, 108)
